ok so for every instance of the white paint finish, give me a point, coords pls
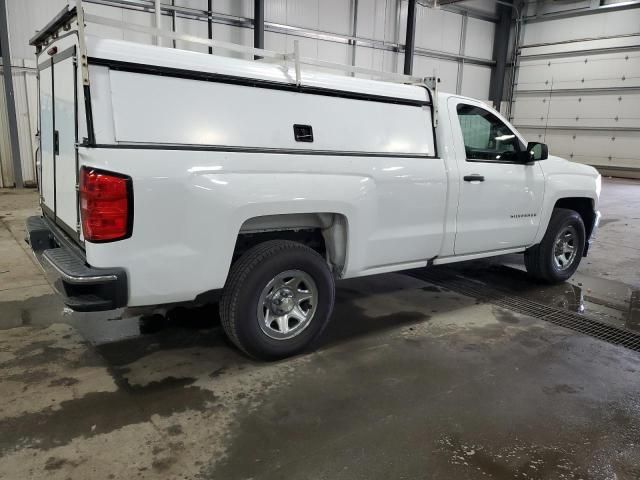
(232, 34)
(237, 8)
(601, 148)
(394, 208)
(24, 90)
(400, 212)
(620, 69)
(376, 19)
(275, 11)
(223, 114)
(437, 30)
(334, 52)
(479, 39)
(151, 55)
(531, 109)
(565, 179)
(27, 108)
(303, 13)
(334, 16)
(475, 81)
(6, 162)
(484, 221)
(46, 137)
(543, 8)
(445, 69)
(24, 18)
(602, 24)
(622, 42)
(190, 27)
(488, 6)
(65, 161)
(103, 30)
(308, 46)
(612, 110)
(275, 42)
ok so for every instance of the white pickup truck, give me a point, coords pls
(169, 176)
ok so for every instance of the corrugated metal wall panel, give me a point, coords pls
(611, 23)
(24, 83)
(24, 90)
(6, 165)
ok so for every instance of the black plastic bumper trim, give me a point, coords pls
(83, 287)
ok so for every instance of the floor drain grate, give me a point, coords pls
(573, 321)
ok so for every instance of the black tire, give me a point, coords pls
(540, 259)
(250, 275)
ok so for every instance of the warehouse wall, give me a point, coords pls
(25, 91)
(582, 95)
(456, 47)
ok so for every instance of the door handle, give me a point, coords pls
(474, 178)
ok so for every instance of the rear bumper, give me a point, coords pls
(84, 288)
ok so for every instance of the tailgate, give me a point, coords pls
(58, 137)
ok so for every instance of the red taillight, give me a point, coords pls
(105, 205)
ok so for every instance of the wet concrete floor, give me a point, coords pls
(410, 381)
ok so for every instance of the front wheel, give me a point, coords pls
(277, 300)
(556, 258)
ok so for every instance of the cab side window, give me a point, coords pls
(486, 137)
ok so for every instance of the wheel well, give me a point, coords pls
(584, 207)
(323, 232)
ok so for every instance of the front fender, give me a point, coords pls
(564, 179)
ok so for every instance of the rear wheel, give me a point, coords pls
(556, 258)
(277, 300)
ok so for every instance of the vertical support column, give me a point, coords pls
(158, 13)
(210, 23)
(410, 38)
(354, 33)
(9, 95)
(463, 42)
(258, 25)
(500, 52)
(173, 21)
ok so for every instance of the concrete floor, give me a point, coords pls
(411, 380)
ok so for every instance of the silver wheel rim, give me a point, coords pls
(565, 248)
(287, 304)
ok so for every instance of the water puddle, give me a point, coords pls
(601, 299)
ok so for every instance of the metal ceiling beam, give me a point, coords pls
(9, 95)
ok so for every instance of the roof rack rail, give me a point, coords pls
(75, 12)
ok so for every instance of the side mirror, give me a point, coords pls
(537, 151)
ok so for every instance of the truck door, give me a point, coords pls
(58, 134)
(500, 198)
